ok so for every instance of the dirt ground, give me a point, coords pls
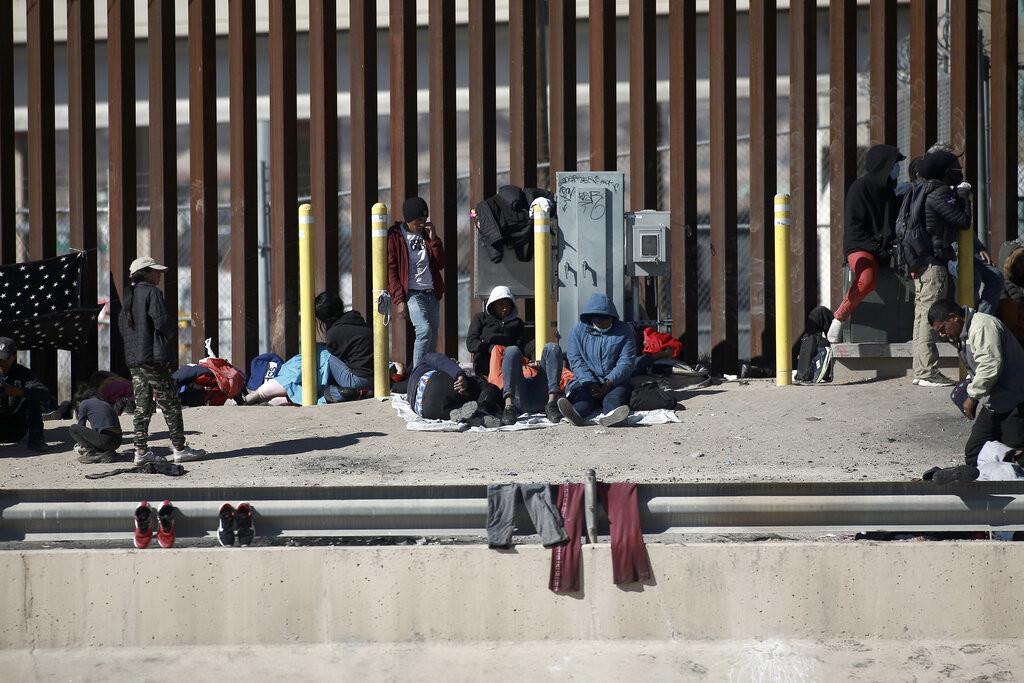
(877, 431)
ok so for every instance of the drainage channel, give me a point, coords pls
(460, 511)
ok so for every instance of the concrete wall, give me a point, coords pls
(901, 591)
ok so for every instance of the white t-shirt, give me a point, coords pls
(419, 261)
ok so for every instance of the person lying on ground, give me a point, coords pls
(145, 326)
(350, 341)
(602, 353)
(946, 213)
(439, 389)
(22, 397)
(97, 435)
(995, 359)
(498, 325)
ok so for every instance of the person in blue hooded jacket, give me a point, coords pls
(602, 351)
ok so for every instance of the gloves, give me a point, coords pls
(964, 190)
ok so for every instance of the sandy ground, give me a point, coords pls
(880, 431)
(776, 660)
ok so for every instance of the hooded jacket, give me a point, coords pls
(147, 342)
(350, 340)
(871, 206)
(600, 357)
(487, 330)
(398, 264)
(945, 213)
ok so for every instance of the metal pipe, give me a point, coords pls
(783, 376)
(307, 324)
(590, 505)
(379, 240)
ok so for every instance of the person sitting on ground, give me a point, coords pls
(946, 213)
(98, 432)
(1011, 306)
(868, 217)
(995, 359)
(530, 387)
(145, 326)
(22, 397)
(498, 325)
(438, 389)
(350, 341)
(602, 353)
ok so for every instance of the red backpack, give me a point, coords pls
(226, 378)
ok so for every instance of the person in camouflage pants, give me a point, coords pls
(155, 380)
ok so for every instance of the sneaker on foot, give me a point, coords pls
(616, 417)
(509, 416)
(245, 529)
(143, 525)
(81, 450)
(188, 454)
(553, 413)
(937, 381)
(491, 422)
(569, 413)
(226, 528)
(835, 331)
(94, 458)
(463, 413)
(165, 525)
(148, 456)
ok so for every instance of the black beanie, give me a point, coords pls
(414, 208)
(933, 165)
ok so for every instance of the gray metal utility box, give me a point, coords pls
(886, 315)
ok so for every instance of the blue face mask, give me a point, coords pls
(600, 330)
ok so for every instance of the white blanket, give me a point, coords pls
(414, 422)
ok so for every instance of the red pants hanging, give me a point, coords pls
(629, 554)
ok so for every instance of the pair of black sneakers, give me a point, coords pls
(236, 523)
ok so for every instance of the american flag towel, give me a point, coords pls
(41, 304)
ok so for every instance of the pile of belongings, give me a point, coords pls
(504, 222)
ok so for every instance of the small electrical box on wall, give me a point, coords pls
(648, 244)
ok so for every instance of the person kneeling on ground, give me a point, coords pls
(498, 325)
(602, 353)
(98, 432)
(350, 341)
(996, 361)
(438, 389)
(22, 397)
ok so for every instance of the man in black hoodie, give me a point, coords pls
(350, 342)
(946, 213)
(22, 396)
(868, 218)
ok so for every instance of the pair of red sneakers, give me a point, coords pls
(144, 524)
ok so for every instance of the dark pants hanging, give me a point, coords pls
(565, 558)
(501, 509)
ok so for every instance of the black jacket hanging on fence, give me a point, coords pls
(504, 222)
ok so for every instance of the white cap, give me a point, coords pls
(142, 263)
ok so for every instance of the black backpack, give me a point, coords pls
(911, 245)
(651, 396)
(813, 362)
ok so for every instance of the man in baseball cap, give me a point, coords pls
(22, 397)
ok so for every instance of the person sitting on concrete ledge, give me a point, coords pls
(995, 393)
(22, 397)
(602, 353)
(439, 389)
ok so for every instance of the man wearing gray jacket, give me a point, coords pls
(995, 394)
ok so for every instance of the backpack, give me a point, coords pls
(263, 367)
(226, 377)
(912, 245)
(813, 361)
(651, 396)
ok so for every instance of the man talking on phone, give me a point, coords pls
(416, 260)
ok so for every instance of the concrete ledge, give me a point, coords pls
(211, 597)
(880, 350)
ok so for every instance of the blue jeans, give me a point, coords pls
(424, 313)
(343, 376)
(988, 285)
(530, 394)
(588, 406)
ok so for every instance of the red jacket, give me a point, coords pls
(398, 264)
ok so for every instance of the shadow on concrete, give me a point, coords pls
(298, 446)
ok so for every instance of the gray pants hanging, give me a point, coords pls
(501, 508)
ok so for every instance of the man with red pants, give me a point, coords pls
(869, 216)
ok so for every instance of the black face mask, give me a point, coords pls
(955, 176)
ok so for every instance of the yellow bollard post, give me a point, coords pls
(379, 242)
(965, 268)
(783, 361)
(307, 321)
(541, 271)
